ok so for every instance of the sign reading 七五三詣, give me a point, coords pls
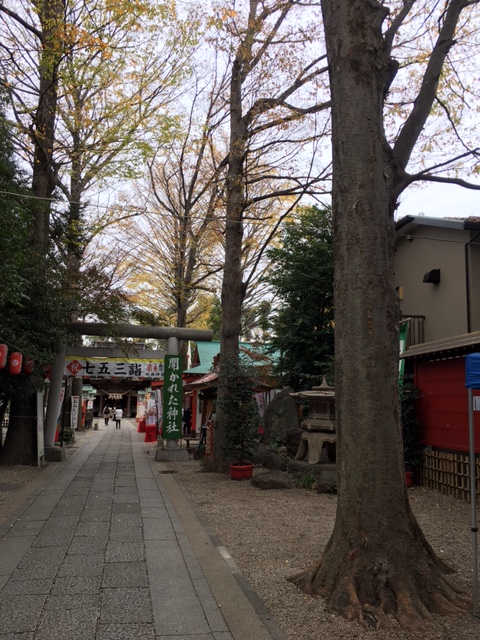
(172, 398)
(133, 368)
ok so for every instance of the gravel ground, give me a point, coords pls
(13, 478)
(273, 534)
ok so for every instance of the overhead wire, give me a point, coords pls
(139, 211)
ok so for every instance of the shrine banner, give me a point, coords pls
(133, 368)
(172, 399)
(75, 400)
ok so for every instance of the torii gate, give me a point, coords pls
(171, 334)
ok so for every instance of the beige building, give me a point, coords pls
(437, 275)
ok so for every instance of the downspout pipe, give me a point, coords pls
(467, 282)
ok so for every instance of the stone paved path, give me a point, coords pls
(100, 553)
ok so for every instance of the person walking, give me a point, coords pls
(106, 414)
(118, 418)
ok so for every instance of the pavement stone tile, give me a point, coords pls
(126, 490)
(84, 603)
(16, 636)
(125, 551)
(79, 482)
(125, 574)
(125, 508)
(79, 492)
(26, 588)
(160, 529)
(126, 498)
(126, 520)
(21, 528)
(75, 566)
(126, 605)
(92, 528)
(68, 510)
(81, 584)
(21, 613)
(93, 515)
(126, 534)
(60, 522)
(85, 545)
(188, 636)
(66, 629)
(39, 557)
(12, 550)
(45, 572)
(49, 538)
(125, 481)
(125, 632)
(158, 512)
(99, 501)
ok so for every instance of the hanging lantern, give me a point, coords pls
(3, 355)
(28, 363)
(15, 363)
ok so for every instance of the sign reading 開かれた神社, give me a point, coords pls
(172, 399)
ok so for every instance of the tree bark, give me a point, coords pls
(377, 562)
(20, 443)
(51, 15)
(21, 440)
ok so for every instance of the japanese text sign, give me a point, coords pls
(134, 368)
(172, 399)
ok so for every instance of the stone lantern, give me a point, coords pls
(321, 413)
(319, 427)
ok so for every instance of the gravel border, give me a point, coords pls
(273, 534)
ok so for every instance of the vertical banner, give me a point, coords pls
(74, 412)
(402, 349)
(172, 398)
(40, 434)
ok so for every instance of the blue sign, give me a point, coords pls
(472, 371)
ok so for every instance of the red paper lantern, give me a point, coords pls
(28, 364)
(15, 363)
(3, 355)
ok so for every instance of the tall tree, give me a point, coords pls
(31, 302)
(377, 562)
(176, 246)
(87, 83)
(115, 69)
(267, 118)
(301, 275)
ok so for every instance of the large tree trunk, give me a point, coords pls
(233, 291)
(20, 443)
(21, 439)
(51, 16)
(377, 561)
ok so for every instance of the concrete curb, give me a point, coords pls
(235, 595)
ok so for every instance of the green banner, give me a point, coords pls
(403, 346)
(172, 398)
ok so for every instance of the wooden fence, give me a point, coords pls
(448, 473)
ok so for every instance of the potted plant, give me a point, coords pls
(412, 448)
(241, 431)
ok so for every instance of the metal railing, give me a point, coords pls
(416, 329)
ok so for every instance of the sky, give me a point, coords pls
(439, 201)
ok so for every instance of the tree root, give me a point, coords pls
(375, 588)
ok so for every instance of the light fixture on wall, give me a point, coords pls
(433, 276)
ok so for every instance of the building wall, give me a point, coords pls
(443, 407)
(474, 278)
(444, 305)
